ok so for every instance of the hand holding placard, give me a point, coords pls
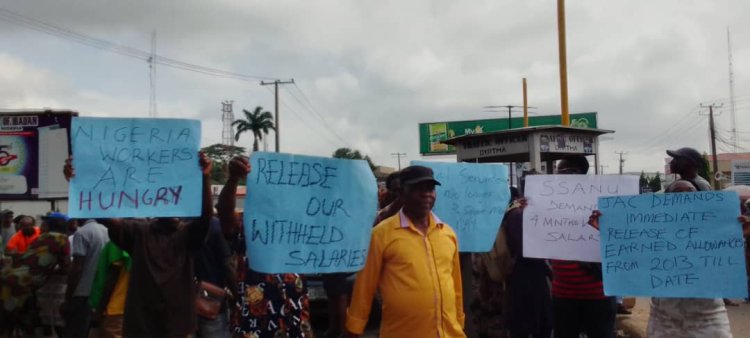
(556, 219)
(673, 245)
(127, 167)
(308, 214)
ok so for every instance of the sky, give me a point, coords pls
(368, 72)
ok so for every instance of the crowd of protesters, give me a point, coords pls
(172, 277)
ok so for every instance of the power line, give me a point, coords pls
(685, 125)
(655, 139)
(298, 116)
(70, 35)
(315, 111)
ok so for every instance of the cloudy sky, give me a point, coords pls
(373, 70)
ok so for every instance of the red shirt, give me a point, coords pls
(570, 280)
(19, 243)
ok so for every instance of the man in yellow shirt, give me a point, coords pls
(413, 261)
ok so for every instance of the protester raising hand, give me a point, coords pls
(594, 219)
(68, 169)
(239, 167)
(205, 164)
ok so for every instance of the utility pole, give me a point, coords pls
(152, 77)
(712, 130)
(601, 169)
(525, 106)
(622, 160)
(735, 138)
(563, 53)
(399, 155)
(276, 84)
(510, 110)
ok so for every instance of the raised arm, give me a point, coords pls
(230, 225)
(119, 232)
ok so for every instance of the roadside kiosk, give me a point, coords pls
(535, 145)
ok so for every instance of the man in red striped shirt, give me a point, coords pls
(578, 299)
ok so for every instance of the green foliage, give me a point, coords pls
(655, 183)
(350, 154)
(643, 181)
(258, 123)
(220, 154)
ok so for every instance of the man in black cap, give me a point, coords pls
(413, 261)
(686, 162)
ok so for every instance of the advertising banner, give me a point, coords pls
(33, 147)
(431, 135)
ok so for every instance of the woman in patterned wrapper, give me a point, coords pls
(268, 305)
(20, 278)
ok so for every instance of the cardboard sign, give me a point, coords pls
(673, 245)
(554, 223)
(308, 214)
(128, 167)
(472, 199)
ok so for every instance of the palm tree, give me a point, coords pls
(258, 122)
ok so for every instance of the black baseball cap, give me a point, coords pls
(689, 154)
(417, 174)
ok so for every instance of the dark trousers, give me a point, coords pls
(595, 318)
(78, 318)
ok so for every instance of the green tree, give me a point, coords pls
(350, 154)
(643, 181)
(220, 154)
(655, 183)
(258, 123)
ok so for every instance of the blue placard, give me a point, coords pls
(673, 245)
(127, 167)
(472, 199)
(307, 214)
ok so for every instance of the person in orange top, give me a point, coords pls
(19, 243)
(413, 261)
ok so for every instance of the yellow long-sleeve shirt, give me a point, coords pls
(419, 278)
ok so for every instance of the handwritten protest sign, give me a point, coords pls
(673, 245)
(128, 167)
(308, 214)
(472, 199)
(554, 222)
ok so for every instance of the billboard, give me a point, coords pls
(33, 148)
(431, 135)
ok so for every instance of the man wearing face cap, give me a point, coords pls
(686, 162)
(413, 261)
